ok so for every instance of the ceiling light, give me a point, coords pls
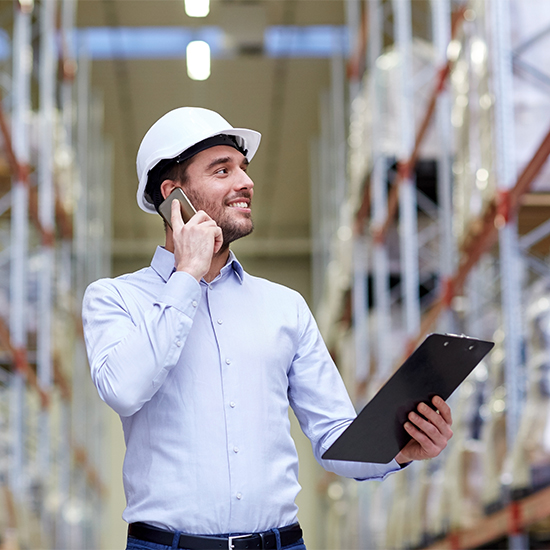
(197, 8)
(26, 5)
(198, 60)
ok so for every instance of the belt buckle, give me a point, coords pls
(231, 539)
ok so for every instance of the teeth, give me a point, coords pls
(239, 205)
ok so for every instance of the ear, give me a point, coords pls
(167, 186)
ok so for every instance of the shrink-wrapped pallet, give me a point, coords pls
(396, 526)
(463, 471)
(494, 429)
(530, 458)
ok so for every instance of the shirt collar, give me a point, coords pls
(236, 265)
(163, 264)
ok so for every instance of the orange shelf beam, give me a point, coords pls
(515, 517)
(484, 235)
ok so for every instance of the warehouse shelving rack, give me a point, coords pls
(343, 306)
(54, 225)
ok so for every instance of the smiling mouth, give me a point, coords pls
(239, 205)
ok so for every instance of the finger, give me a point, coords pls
(425, 426)
(432, 416)
(443, 409)
(175, 216)
(429, 447)
(200, 217)
(435, 418)
(439, 434)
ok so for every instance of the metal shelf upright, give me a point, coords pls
(50, 435)
(408, 223)
(380, 260)
(21, 106)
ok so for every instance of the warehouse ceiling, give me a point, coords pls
(278, 96)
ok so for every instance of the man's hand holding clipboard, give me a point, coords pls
(430, 431)
(408, 418)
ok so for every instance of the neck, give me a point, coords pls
(218, 260)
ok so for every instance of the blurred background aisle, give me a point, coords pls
(401, 186)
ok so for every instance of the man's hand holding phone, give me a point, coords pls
(195, 242)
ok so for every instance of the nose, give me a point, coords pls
(245, 181)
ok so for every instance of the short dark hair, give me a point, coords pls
(176, 171)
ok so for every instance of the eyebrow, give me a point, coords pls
(223, 160)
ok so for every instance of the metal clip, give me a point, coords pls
(231, 539)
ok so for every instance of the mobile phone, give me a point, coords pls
(187, 210)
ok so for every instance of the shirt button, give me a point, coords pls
(232, 404)
(228, 361)
(178, 343)
(239, 496)
(235, 449)
(220, 321)
(194, 303)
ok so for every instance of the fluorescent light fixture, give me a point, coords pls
(26, 5)
(197, 8)
(198, 60)
(314, 41)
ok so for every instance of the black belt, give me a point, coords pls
(289, 535)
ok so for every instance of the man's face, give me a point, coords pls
(217, 183)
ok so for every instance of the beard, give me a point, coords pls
(234, 225)
(232, 231)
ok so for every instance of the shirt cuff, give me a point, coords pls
(183, 292)
(381, 471)
(392, 467)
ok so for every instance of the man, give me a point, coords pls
(201, 361)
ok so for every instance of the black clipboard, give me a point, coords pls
(437, 367)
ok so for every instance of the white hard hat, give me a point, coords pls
(177, 131)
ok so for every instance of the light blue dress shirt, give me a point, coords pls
(202, 376)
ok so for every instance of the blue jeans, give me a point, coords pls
(137, 544)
